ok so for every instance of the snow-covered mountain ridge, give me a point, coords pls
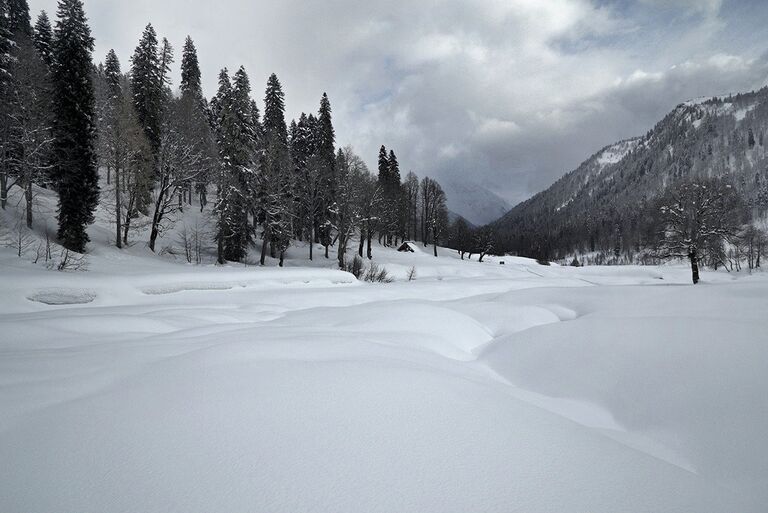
(607, 194)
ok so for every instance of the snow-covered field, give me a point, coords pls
(145, 385)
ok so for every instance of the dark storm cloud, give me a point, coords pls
(507, 93)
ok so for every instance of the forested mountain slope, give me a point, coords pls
(603, 204)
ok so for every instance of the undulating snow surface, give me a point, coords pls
(144, 385)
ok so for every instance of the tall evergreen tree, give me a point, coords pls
(383, 166)
(194, 114)
(326, 139)
(74, 134)
(326, 153)
(43, 37)
(275, 184)
(236, 137)
(6, 44)
(190, 70)
(18, 17)
(147, 86)
(393, 175)
(275, 129)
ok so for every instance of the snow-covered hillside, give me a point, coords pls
(147, 384)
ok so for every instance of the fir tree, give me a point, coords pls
(6, 45)
(326, 138)
(74, 134)
(383, 166)
(275, 184)
(236, 137)
(18, 17)
(147, 86)
(194, 116)
(113, 75)
(166, 59)
(43, 37)
(393, 175)
(190, 70)
(275, 129)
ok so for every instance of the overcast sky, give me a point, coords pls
(510, 94)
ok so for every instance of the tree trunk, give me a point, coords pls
(118, 218)
(362, 243)
(109, 169)
(264, 243)
(311, 239)
(694, 267)
(341, 251)
(434, 246)
(28, 199)
(157, 217)
(3, 189)
(369, 235)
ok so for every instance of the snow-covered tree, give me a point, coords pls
(43, 37)
(411, 205)
(193, 121)
(696, 218)
(147, 86)
(275, 185)
(236, 139)
(74, 130)
(29, 135)
(352, 176)
(123, 147)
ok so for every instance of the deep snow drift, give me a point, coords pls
(145, 385)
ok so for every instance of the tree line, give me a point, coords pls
(126, 140)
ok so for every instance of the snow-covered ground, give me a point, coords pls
(156, 386)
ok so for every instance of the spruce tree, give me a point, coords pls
(326, 153)
(275, 185)
(383, 167)
(74, 134)
(275, 129)
(326, 136)
(18, 17)
(6, 44)
(194, 112)
(113, 75)
(393, 174)
(43, 37)
(236, 138)
(147, 86)
(190, 70)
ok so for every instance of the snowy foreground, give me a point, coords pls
(149, 386)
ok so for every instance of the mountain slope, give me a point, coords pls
(602, 204)
(474, 202)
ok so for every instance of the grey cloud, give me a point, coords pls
(505, 94)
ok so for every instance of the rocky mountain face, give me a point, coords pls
(603, 205)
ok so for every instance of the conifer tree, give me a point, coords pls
(194, 122)
(275, 185)
(6, 44)
(383, 166)
(190, 70)
(236, 138)
(326, 153)
(74, 134)
(18, 17)
(147, 86)
(43, 37)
